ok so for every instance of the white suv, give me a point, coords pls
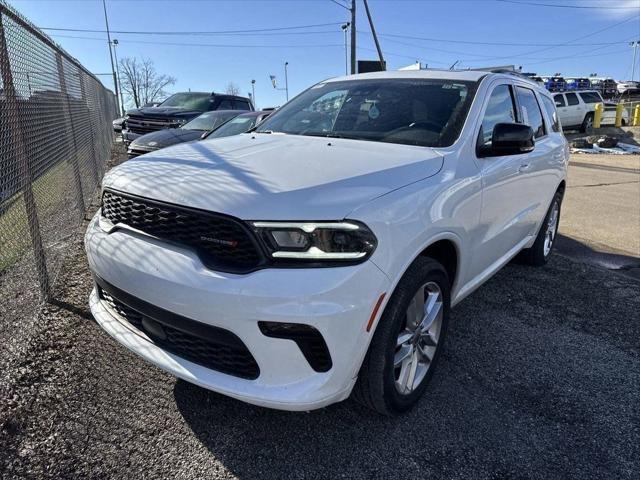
(321, 253)
(576, 110)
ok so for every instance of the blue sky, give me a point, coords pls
(545, 37)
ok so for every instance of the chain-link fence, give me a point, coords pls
(55, 139)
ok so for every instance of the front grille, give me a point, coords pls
(222, 242)
(144, 125)
(211, 347)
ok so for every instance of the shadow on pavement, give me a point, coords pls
(619, 262)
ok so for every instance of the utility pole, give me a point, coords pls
(253, 93)
(115, 54)
(286, 80)
(353, 37)
(345, 27)
(375, 37)
(113, 69)
(634, 44)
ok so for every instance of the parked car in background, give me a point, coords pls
(628, 88)
(321, 254)
(581, 83)
(118, 124)
(555, 84)
(177, 110)
(193, 130)
(576, 110)
(240, 124)
(607, 87)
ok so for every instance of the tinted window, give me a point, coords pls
(559, 99)
(551, 112)
(531, 114)
(238, 125)
(242, 105)
(408, 111)
(209, 120)
(591, 97)
(499, 110)
(572, 99)
(225, 104)
(190, 101)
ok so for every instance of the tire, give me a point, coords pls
(587, 123)
(380, 382)
(540, 252)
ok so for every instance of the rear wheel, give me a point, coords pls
(587, 123)
(539, 253)
(407, 343)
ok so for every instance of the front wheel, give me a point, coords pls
(539, 253)
(407, 343)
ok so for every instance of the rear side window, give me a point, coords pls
(242, 105)
(225, 104)
(572, 99)
(551, 112)
(531, 113)
(501, 109)
(591, 97)
(559, 99)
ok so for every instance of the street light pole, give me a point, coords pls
(115, 54)
(345, 27)
(253, 93)
(286, 80)
(113, 69)
(634, 44)
(353, 36)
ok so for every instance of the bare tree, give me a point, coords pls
(141, 82)
(232, 89)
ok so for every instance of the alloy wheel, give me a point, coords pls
(552, 228)
(418, 339)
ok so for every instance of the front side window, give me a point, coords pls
(225, 104)
(421, 112)
(591, 97)
(551, 112)
(559, 99)
(572, 99)
(501, 109)
(189, 101)
(242, 105)
(531, 113)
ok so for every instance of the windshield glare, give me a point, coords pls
(189, 101)
(209, 120)
(408, 111)
(234, 127)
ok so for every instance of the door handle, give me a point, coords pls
(524, 167)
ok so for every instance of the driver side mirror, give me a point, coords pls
(509, 139)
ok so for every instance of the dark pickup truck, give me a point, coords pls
(177, 110)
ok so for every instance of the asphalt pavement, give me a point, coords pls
(540, 379)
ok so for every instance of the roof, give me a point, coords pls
(463, 75)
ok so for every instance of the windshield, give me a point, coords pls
(189, 101)
(209, 120)
(238, 125)
(409, 111)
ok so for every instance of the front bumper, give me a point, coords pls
(128, 136)
(335, 301)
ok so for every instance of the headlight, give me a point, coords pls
(316, 242)
(181, 121)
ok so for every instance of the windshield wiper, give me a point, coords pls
(324, 134)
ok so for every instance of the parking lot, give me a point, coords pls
(540, 378)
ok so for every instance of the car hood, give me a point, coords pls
(163, 111)
(165, 138)
(275, 177)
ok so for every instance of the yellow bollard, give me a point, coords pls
(597, 116)
(619, 110)
(636, 116)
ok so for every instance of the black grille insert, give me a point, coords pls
(212, 347)
(222, 242)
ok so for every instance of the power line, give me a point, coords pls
(556, 5)
(338, 3)
(220, 32)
